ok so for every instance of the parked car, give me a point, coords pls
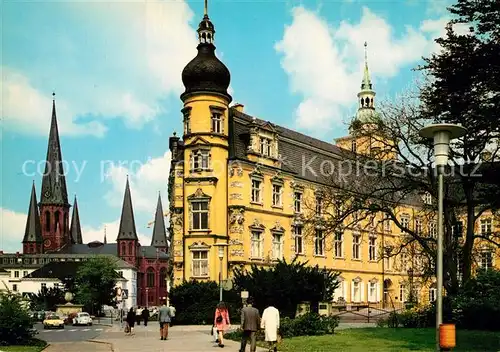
(82, 319)
(53, 321)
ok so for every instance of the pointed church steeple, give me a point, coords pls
(33, 231)
(159, 232)
(366, 113)
(54, 190)
(127, 229)
(76, 229)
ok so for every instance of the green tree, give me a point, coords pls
(285, 285)
(47, 299)
(95, 283)
(15, 322)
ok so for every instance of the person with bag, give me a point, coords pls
(270, 323)
(221, 321)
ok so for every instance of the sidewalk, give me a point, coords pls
(195, 338)
(78, 346)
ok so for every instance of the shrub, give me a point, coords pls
(15, 322)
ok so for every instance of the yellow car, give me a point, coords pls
(53, 321)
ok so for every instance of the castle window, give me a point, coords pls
(356, 246)
(130, 251)
(297, 202)
(372, 292)
(199, 215)
(457, 229)
(187, 119)
(427, 198)
(256, 191)
(217, 122)
(405, 221)
(123, 249)
(277, 246)
(486, 259)
(277, 190)
(150, 277)
(353, 146)
(319, 243)
(200, 263)
(200, 160)
(319, 206)
(338, 245)
(418, 225)
(47, 220)
(356, 291)
(265, 146)
(299, 240)
(372, 248)
(485, 227)
(257, 249)
(432, 294)
(56, 220)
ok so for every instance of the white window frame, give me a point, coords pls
(405, 221)
(197, 263)
(387, 225)
(338, 240)
(356, 246)
(427, 198)
(486, 226)
(297, 202)
(432, 228)
(200, 160)
(372, 248)
(256, 192)
(486, 259)
(372, 291)
(432, 294)
(200, 212)
(277, 195)
(418, 226)
(402, 293)
(298, 238)
(277, 246)
(319, 243)
(356, 291)
(319, 206)
(217, 122)
(266, 146)
(256, 244)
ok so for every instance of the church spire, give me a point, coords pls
(159, 233)
(366, 84)
(76, 229)
(127, 229)
(366, 113)
(33, 231)
(54, 182)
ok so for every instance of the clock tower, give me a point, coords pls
(54, 206)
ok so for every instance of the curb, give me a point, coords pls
(102, 343)
(48, 345)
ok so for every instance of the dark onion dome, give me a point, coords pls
(206, 73)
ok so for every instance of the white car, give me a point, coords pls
(82, 319)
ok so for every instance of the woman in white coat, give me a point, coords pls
(270, 322)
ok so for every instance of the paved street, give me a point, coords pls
(78, 346)
(194, 338)
(70, 333)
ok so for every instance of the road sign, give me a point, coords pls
(124, 294)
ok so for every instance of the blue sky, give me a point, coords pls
(116, 68)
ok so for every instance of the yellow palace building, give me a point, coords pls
(239, 188)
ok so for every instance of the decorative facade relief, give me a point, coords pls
(178, 254)
(237, 216)
(235, 242)
(237, 252)
(178, 185)
(236, 184)
(179, 197)
(235, 169)
(179, 174)
(236, 196)
(236, 229)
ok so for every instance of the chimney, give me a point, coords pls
(239, 107)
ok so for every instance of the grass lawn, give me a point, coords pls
(385, 339)
(21, 348)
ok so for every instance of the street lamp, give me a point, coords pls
(221, 257)
(410, 277)
(441, 134)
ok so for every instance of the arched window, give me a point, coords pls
(56, 220)
(66, 224)
(150, 277)
(47, 220)
(130, 251)
(163, 277)
(124, 249)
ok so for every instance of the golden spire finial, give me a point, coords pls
(206, 8)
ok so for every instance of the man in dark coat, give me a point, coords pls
(145, 316)
(250, 323)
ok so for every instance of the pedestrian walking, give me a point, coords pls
(164, 320)
(145, 316)
(250, 323)
(138, 314)
(270, 322)
(221, 322)
(172, 315)
(129, 328)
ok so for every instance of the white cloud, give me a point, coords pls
(25, 108)
(145, 179)
(12, 226)
(137, 49)
(327, 71)
(90, 233)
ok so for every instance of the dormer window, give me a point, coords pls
(427, 198)
(265, 146)
(353, 146)
(187, 119)
(217, 123)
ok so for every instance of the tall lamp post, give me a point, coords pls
(441, 134)
(221, 258)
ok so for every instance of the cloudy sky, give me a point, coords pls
(116, 69)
